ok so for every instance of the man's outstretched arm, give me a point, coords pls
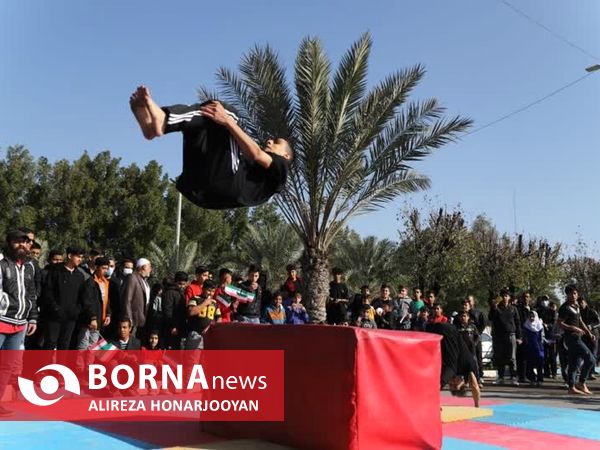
(251, 149)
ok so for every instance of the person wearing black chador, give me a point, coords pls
(458, 362)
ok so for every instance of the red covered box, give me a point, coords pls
(345, 388)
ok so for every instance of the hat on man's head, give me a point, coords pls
(15, 235)
(141, 262)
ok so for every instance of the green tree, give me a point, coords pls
(165, 262)
(271, 246)
(352, 146)
(584, 271)
(365, 260)
(17, 179)
(437, 253)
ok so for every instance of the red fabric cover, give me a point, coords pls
(345, 388)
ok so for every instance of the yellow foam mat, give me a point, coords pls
(245, 444)
(457, 413)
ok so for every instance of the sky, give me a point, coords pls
(67, 69)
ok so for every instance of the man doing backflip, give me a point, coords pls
(223, 167)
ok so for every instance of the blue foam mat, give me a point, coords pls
(569, 422)
(62, 436)
(460, 444)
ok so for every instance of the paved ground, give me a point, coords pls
(552, 393)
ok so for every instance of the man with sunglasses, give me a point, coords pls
(223, 167)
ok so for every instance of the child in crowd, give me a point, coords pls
(152, 343)
(422, 319)
(296, 312)
(227, 304)
(366, 319)
(533, 330)
(388, 318)
(438, 314)
(275, 314)
(202, 312)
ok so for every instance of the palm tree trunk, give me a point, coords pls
(315, 266)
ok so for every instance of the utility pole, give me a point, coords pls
(178, 230)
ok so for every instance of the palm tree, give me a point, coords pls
(165, 262)
(366, 261)
(272, 247)
(352, 145)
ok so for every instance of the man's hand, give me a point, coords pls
(254, 286)
(31, 327)
(215, 111)
(519, 341)
(106, 321)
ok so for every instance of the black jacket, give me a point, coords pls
(92, 301)
(63, 294)
(133, 343)
(17, 292)
(165, 317)
(505, 321)
(251, 309)
(478, 319)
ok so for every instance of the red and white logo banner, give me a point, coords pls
(115, 385)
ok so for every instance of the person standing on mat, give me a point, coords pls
(223, 167)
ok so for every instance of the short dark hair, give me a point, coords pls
(290, 267)
(253, 268)
(126, 320)
(504, 292)
(201, 269)
(224, 271)
(209, 284)
(570, 288)
(55, 252)
(385, 286)
(74, 250)
(180, 276)
(337, 271)
(101, 261)
(402, 287)
(95, 252)
(365, 286)
(277, 294)
(36, 245)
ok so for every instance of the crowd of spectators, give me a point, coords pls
(82, 296)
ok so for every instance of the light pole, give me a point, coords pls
(178, 230)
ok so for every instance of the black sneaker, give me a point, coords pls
(4, 412)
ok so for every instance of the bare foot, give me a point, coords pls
(157, 115)
(575, 390)
(584, 388)
(139, 106)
